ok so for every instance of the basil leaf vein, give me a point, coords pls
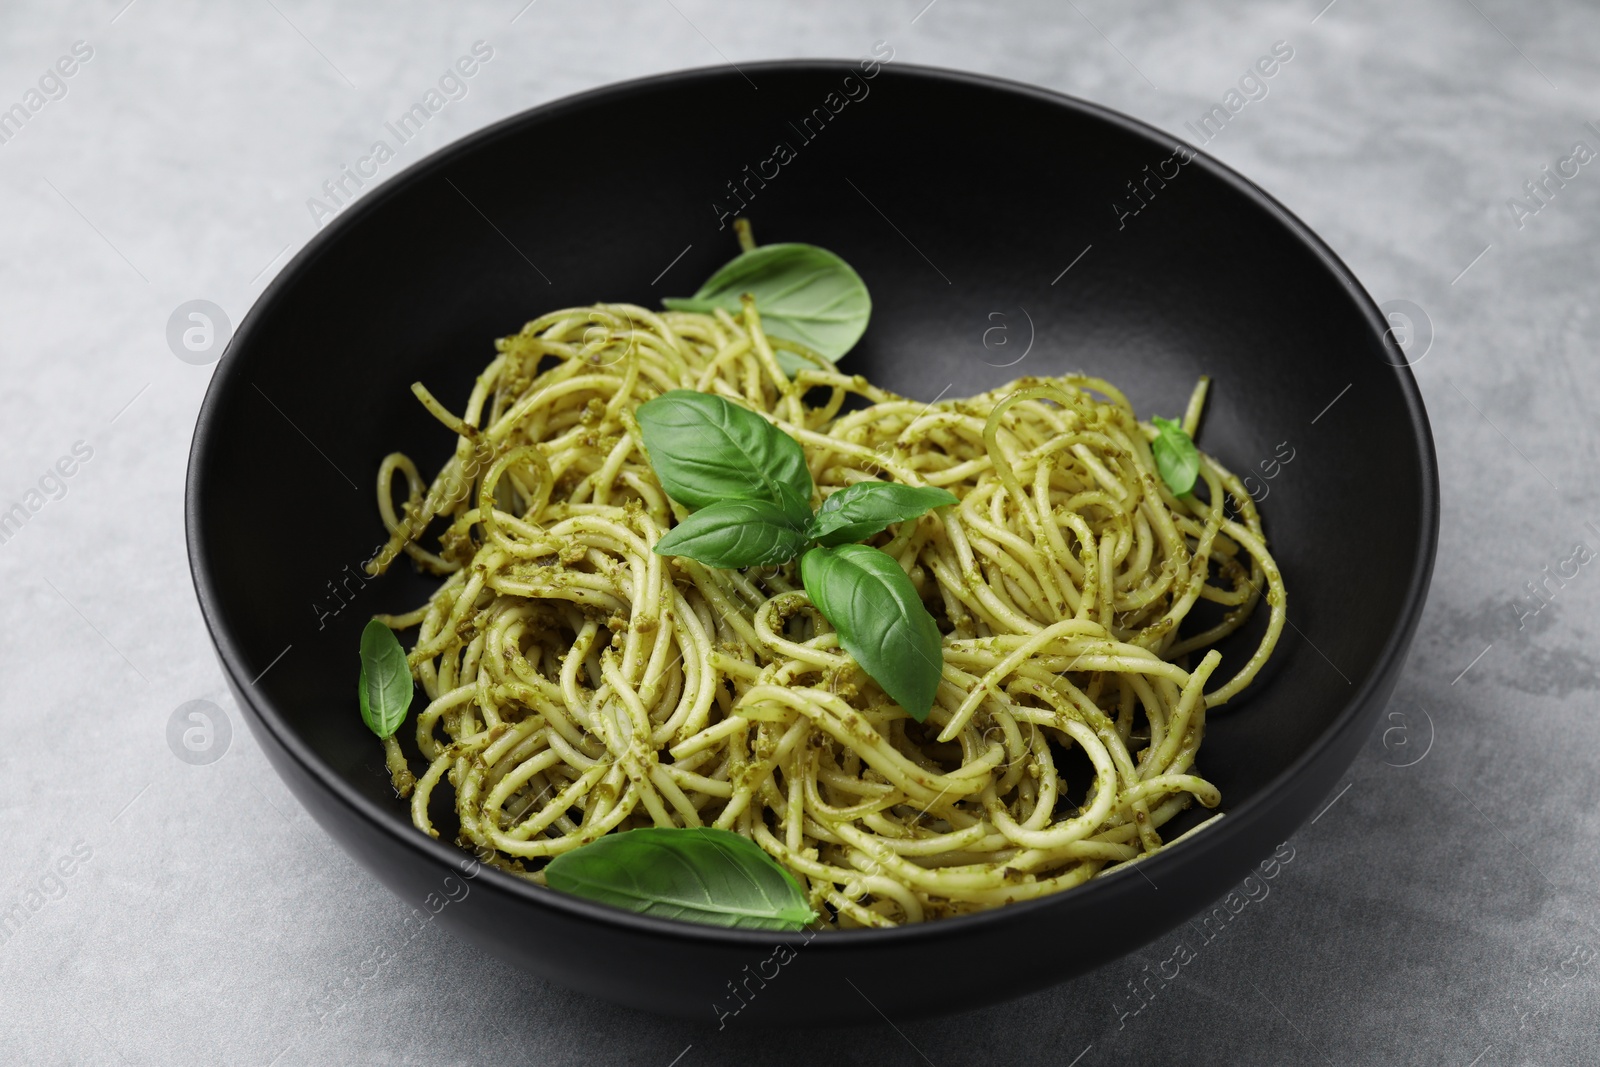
(706, 450)
(866, 508)
(737, 533)
(1177, 459)
(699, 874)
(385, 684)
(803, 292)
(880, 620)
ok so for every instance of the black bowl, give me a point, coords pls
(996, 228)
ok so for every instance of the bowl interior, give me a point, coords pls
(998, 233)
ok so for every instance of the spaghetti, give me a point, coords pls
(580, 684)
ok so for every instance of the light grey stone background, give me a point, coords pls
(1441, 912)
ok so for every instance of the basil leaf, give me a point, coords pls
(865, 508)
(706, 450)
(698, 874)
(738, 533)
(1176, 457)
(803, 292)
(385, 685)
(880, 619)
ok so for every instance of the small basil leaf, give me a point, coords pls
(803, 292)
(865, 508)
(880, 620)
(738, 533)
(706, 450)
(1177, 459)
(385, 684)
(698, 874)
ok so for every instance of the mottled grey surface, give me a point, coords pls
(1438, 913)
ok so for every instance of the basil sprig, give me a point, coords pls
(803, 292)
(708, 453)
(1177, 459)
(385, 682)
(700, 874)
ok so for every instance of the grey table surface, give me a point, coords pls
(1439, 910)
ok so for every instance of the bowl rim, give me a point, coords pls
(1085, 895)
